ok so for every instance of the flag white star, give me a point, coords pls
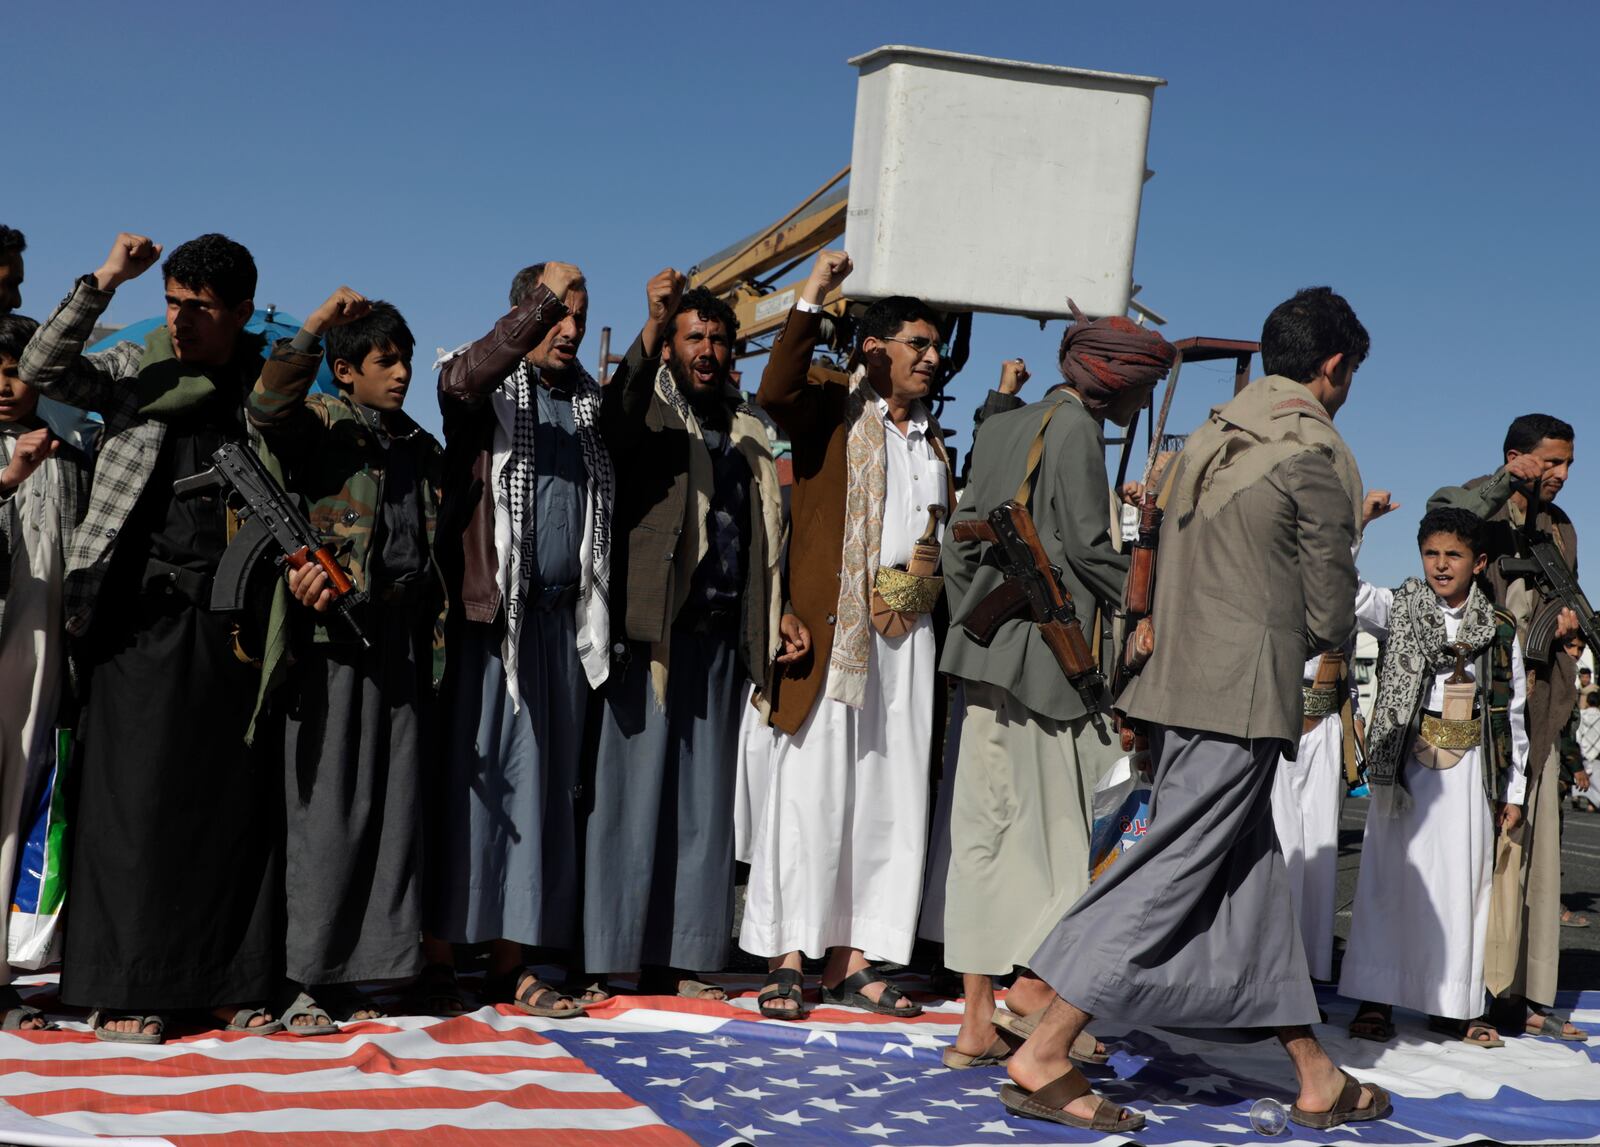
(715, 1065)
(635, 1061)
(707, 1104)
(922, 1039)
(832, 1105)
(955, 1103)
(865, 1092)
(829, 1069)
(877, 1130)
(604, 1041)
(936, 1071)
(921, 1117)
(714, 1041)
(1155, 1117)
(791, 1117)
(822, 1036)
(1210, 1082)
(749, 1132)
(657, 1081)
(752, 1061)
(865, 1062)
(792, 1084)
(996, 1127)
(686, 1052)
(890, 1080)
(795, 1052)
(986, 1092)
(753, 1093)
(906, 1049)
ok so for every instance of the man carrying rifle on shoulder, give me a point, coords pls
(1533, 559)
(1035, 527)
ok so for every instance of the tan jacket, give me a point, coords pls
(1243, 599)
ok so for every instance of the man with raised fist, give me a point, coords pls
(173, 884)
(525, 546)
(697, 619)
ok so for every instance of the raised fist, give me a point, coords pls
(1375, 505)
(830, 269)
(1527, 467)
(343, 306)
(1013, 373)
(131, 256)
(27, 455)
(663, 293)
(561, 278)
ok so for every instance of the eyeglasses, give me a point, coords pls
(921, 346)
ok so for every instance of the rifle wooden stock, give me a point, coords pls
(972, 530)
(1007, 600)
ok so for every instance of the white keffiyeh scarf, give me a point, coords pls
(514, 498)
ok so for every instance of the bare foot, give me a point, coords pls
(1320, 1090)
(131, 1024)
(226, 1014)
(977, 1025)
(1032, 1068)
(551, 997)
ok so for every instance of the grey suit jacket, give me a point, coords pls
(1071, 506)
(1243, 599)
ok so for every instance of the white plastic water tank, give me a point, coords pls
(995, 185)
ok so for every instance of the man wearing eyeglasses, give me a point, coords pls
(836, 862)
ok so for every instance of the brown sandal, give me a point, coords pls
(1345, 1109)
(502, 989)
(1048, 1103)
(1084, 1049)
(999, 1051)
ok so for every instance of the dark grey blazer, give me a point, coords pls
(1071, 506)
(1243, 599)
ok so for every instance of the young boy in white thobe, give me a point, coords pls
(1447, 754)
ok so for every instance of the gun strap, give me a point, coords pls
(1036, 454)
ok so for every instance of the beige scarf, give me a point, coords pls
(1269, 421)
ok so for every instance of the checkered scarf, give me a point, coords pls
(516, 498)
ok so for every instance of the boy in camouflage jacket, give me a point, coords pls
(354, 721)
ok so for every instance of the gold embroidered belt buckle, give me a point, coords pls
(1443, 734)
(907, 592)
(1320, 703)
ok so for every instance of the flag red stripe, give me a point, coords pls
(366, 1058)
(443, 1136)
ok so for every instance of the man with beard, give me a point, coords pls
(172, 886)
(1523, 953)
(698, 527)
(524, 542)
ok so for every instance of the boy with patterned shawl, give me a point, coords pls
(1447, 755)
(354, 721)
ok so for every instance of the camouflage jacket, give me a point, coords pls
(335, 459)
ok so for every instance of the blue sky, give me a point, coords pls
(1436, 163)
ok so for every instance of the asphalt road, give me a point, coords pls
(1580, 888)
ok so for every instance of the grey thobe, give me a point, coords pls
(1194, 927)
(353, 747)
(504, 858)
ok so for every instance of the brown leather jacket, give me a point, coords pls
(465, 542)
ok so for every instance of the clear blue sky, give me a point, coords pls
(1437, 163)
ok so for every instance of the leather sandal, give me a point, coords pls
(102, 1016)
(1552, 1025)
(1376, 1022)
(503, 989)
(847, 994)
(1049, 1103)
(18, 1013)
(303, 1005)
(1345, 1109)
(1467, 1031)
(1084, 1049)
(999, 1051)
(783, 984)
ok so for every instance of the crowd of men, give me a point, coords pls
(570, 665)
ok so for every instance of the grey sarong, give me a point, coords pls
(1194, 927)
(353, 755)
(658, 874)
(503, 856)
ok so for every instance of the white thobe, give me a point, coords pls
(1421, 917)
(837, 834)
(30, 657)
(1307, 794)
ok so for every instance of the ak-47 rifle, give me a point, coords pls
(268, 517)
(1032, 588)
(1138, 597)
(1544, 566)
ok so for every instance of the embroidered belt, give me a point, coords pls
(1320, 703)
(1443, 734)
(907, 592)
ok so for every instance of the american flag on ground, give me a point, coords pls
(654, 1072)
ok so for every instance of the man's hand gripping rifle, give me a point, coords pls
(1032, 588)
(1543, 565)
(268, 518)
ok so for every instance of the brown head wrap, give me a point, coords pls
(1103, 358)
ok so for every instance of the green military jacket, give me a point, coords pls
(335, 458)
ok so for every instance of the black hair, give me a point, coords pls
(12, 241)
(1453, 520)
(702, 302)
(15, 331)
(1529, 430)
(380, 328)
(884, 318)
(524, 281)
(1305, 331)
(213, 261)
